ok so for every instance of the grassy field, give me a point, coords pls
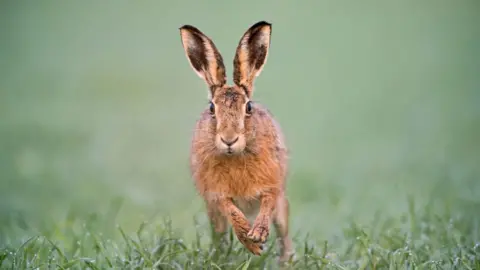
(419, 239)
(379, 104)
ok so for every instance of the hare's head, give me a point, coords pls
(230, 106)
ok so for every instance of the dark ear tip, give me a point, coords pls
(189, 28)
(260, 24)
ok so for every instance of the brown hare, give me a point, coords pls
(238, 155)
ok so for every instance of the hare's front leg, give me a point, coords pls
(261, 226)
(240, 224)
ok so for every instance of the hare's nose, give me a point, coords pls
(229, 142)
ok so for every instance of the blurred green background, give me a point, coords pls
(378, 100)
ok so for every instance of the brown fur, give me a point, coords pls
(238, 157)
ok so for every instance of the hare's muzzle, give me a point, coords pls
(230, 144)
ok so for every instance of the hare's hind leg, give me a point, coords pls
(280, 221)
(219, 225)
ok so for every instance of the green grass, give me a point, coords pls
(419, 239)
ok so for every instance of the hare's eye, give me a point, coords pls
(212, 108)
(248, 107)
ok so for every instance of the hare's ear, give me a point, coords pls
(251, 55)
(203, 56)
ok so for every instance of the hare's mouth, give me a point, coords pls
(231, 151)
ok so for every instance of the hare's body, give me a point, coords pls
(238, 156)
(260, 167)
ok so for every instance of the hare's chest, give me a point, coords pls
(236, 177)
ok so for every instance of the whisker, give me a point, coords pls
(209, 154)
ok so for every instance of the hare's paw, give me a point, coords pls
(255, 248)
(259, 233)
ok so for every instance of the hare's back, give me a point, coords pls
(270, 126)
(273, 135)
